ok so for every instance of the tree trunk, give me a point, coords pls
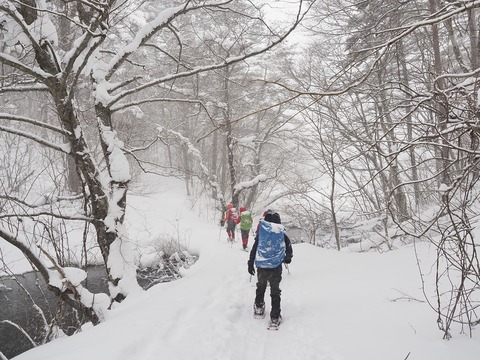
(405, 79)
(109, 209)
(440, 111)
(333, 213)
(230, 141)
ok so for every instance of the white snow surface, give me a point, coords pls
(335, 305)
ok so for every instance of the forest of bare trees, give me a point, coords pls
(344, 113)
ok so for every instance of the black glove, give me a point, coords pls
(287, 260)
(251, 269)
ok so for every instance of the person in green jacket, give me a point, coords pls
(245, 221)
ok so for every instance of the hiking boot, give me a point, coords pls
(275, 321)
(259, 310)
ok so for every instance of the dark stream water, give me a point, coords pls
(16, 306)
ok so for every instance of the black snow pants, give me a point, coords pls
(272, 276)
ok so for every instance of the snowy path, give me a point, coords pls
(336, 306)
(208, 315)
(218, 323)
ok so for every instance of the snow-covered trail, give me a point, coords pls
(336, 306)
(208, 314)
(205, 315)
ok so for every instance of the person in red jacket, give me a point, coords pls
(230, 219)
(263, 217)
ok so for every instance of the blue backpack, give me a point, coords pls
(271, 245)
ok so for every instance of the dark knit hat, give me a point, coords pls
(273, 217)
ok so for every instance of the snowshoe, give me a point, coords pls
(259, 311)
(274, 323)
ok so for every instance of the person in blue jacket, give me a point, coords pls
(271, 249)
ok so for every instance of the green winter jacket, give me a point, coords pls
(246, 220)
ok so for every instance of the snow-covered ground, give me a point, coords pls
(335, 305)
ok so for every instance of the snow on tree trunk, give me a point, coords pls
(116, 249)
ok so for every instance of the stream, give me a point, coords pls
(17, 307)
